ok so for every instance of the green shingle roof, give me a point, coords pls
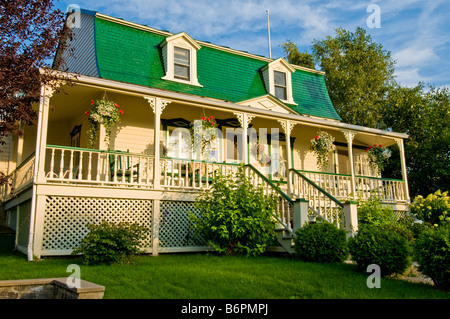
(134, 56)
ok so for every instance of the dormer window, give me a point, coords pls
(179, 53)
(182, 63)
(278, 80)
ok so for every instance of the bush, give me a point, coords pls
(321, 242)
(432, 252)
(110, 243)
(373, 213)
(235, 217)
(382, 246)
(434, 209)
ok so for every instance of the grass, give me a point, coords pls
(208, 276)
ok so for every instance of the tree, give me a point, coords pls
(296, 57)
(30, 33)
(424, 114)
(358, 75)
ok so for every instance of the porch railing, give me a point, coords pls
(20, 178)
(87, 166)
(186, 174)
(321, 202)
(340, 186)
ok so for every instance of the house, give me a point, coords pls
(145, 170)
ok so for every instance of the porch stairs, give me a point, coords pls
(320, 204)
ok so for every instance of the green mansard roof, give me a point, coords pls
(130, 54)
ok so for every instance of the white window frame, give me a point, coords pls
(182, 41)
(279, 65)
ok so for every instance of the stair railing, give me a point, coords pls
(321, 202)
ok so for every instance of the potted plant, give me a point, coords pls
(103, 112)
(322, 145)
(378, 156)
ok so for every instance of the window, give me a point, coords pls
(280, 85)
(179, 53)
(181, 64)
(277, 76)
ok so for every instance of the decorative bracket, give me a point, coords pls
(152, 102)
(242, 116)
(349, 136)
(287, 126)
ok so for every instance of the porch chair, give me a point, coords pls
(116, 167)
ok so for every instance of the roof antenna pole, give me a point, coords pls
(268, 31)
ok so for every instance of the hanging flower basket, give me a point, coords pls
(322, 145)
(102, 112)
(206, 132)
(378, 156)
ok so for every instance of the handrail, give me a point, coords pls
(264, 178)
(318, 187)
(26, 160)
(348, 175)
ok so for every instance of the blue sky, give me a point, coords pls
(416, 32)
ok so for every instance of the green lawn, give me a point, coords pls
(206, 276)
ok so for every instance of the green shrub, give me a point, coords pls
(434, 209)
(109, 243)
(382, 246)
(432, 252)
(321, 242)
(234, 216)
(373, 213)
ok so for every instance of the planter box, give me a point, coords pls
(49, 288)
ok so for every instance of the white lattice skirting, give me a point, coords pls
(66, 220)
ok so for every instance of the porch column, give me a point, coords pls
(37, 210)
(19, 153)
(244, 119)
(287, 128)
(349, 135)
(158, 105)
(42, 128)
(401, 147)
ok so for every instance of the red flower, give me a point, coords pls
(92, 102)
(381, 145)
(212, 123)
(87, 113)
(203, 118)
(367, 149)
(317, 137)
(117, 105)
(121, 112)
(211, 118)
